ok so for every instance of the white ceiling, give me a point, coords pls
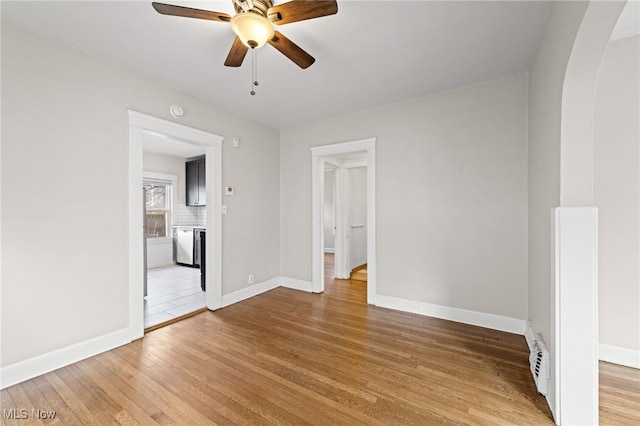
(370, 54)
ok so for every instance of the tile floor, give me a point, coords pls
(172, 291)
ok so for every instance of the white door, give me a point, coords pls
(342, 262)
(358, 217)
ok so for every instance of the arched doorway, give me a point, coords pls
(574, 324)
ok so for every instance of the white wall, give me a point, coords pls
(451, 191)
(64, 136)
(617, 193)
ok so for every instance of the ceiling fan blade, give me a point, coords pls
(299, 10)
(291, 50)
(188, 12)
(236, 54)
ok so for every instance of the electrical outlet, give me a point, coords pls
(250, 278)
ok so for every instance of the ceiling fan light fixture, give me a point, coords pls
(253, 30)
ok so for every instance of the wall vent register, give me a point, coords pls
(539, 365)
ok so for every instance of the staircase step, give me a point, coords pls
(359, 275)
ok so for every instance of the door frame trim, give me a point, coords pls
(212, 143)
(318, 154)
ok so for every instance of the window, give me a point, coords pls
(157, 209)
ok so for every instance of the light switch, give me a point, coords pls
(236, 142)
(224, 209)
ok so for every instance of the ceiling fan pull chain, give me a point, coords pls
(254, 70)
(253, 61)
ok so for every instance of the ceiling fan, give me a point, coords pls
(253, 27)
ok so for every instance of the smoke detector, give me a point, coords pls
(176, 111)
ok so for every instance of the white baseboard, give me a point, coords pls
(619, 355)
(329, 250)
(256, 289)
(248, 292)
(296, 284)
(24, 370)
(481, 319)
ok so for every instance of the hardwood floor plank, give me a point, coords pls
(23, 404)
(169, 390)
(6, 403)
(98, 403)
(71, 401)
(63, 413)
(45, 411)
(290, 386)
(245, 371)
(619, 395)
(237, 388)
(110, 372)
(129, 411)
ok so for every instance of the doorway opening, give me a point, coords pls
(143, 127)
(345, 222)
(174, 272)
(345, 215)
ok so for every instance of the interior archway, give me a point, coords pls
(574, 397)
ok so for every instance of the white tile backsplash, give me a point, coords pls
(186, 215)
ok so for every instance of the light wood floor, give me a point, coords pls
(293, 358)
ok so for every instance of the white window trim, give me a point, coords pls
(173, 180)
